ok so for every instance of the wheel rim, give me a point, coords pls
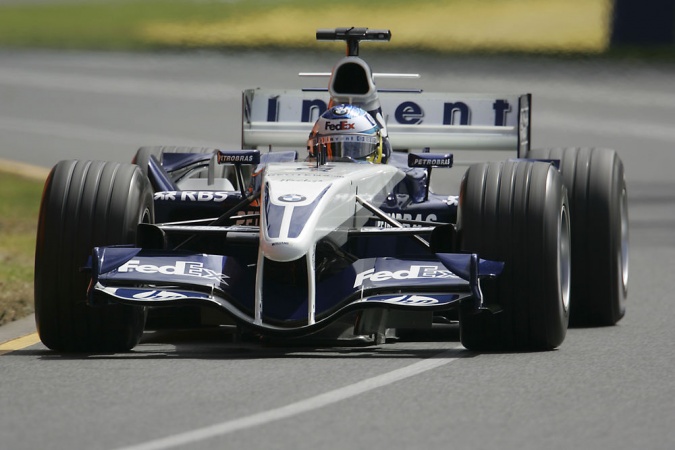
(564, 259)
(623, 257)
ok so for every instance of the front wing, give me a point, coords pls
(152, 278)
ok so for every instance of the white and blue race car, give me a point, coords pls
(350, 241)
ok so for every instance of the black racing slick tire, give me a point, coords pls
(594, 178)
(517, 212)
(86, 204)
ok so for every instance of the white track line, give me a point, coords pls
(300, 407)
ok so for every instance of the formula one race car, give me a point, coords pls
(344, 239)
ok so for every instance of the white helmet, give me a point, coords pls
(346, 132)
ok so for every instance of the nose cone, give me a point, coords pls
(281, 250)
(302, 204)
(292, 222)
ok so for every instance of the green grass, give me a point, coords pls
(451, 25)
(110, 25)
(19, 206)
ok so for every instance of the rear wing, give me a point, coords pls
(280, 118)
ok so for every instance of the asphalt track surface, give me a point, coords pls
(603, 388)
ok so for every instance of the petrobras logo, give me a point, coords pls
(421, 162)
(179, 268)
(243, 159)
(191, 196)
(343, 125)
(234, 158)
(413, 272)
(239, 157)
(430, 160)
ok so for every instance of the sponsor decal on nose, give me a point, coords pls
(292, 198)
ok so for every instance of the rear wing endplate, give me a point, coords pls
(281, 118)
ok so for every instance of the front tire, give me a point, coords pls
(86, 204)
(517, 212)
(595, 182)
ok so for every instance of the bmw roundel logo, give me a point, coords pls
(340, 110)
(292, 198)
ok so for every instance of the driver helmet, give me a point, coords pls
(346, 132)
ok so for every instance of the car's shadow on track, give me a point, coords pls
(224, 344)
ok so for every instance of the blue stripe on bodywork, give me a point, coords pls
(273, 215)
(301, 215)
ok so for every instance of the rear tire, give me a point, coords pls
(517, 212)
(86, 204)
(595, 183)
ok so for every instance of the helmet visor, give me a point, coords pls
(347, 146)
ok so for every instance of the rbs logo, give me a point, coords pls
(343, 125)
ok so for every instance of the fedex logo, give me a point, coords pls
(413, 272)
(184, 268)
(343, 125)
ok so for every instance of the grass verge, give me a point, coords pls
(19, 207)
(560, 26)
